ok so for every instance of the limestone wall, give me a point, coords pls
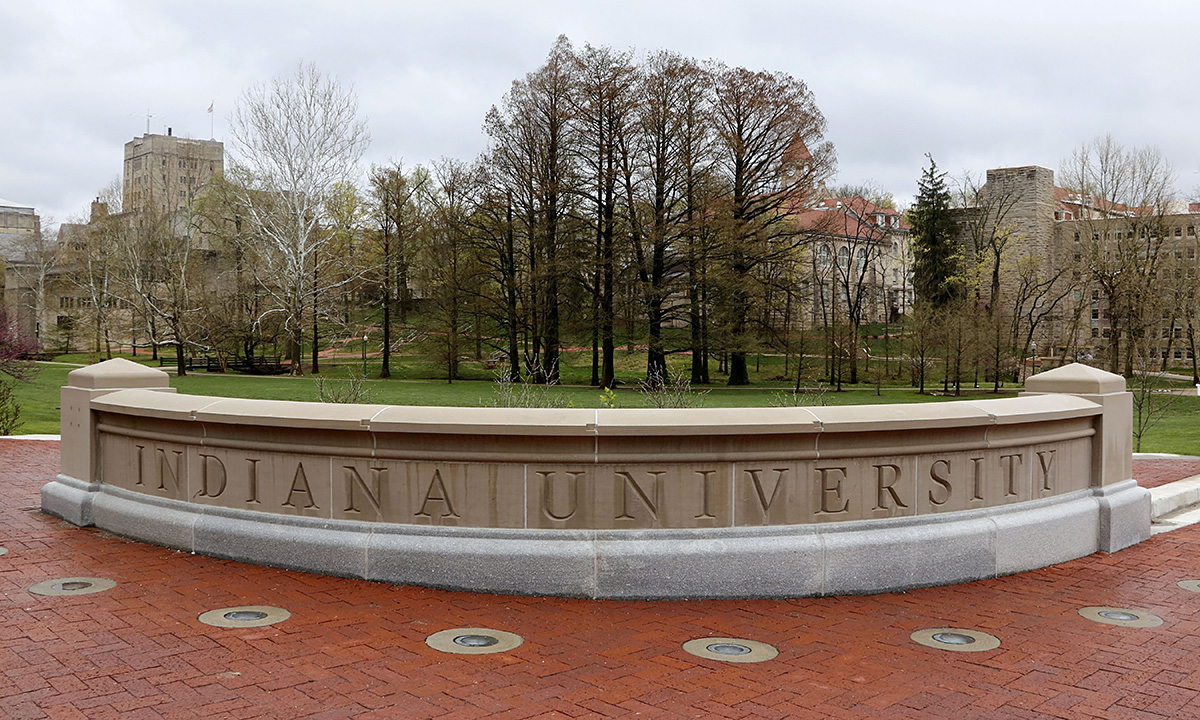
(727, 488)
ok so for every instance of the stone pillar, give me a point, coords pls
(1124, 507)
(79, 436)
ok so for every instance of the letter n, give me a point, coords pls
(353, 480)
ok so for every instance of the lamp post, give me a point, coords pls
(364, 353)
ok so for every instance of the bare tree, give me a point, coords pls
(394, 214)
(659, 172)
(1122, 196)
(295, 138)
(603, 102)
(772, 154)
(531, 136)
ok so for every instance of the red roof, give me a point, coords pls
(853, 217)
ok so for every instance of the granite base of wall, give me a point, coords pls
(857, 557)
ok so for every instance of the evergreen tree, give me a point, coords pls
(936, 253)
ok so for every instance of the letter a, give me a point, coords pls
(442, 496)
(300, 485)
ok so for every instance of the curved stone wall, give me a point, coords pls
(609, 503)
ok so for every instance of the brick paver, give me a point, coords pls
(1152, 472)
(357, 649)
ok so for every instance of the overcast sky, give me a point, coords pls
(977, 85)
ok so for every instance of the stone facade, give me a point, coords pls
(1052, 227)
(20, 229)
(164, 173)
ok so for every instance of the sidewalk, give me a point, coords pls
(359, 649)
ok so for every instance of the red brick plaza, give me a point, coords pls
(358, 649)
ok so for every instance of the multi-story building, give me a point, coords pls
(20, 239)
(1078, 267)
(163, 173)
(17, 222)
(860, 262)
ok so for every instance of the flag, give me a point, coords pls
(210, 106)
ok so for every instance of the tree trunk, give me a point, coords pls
(385, 369)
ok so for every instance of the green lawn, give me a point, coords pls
(1176, 433)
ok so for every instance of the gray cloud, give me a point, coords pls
(976, 85)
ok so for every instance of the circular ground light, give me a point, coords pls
(1123, 617)
(1192, 585)
(244, 616)
(731, 649)
(73, 586)
(955, 639)
(473, 641)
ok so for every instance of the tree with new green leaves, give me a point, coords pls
(936, 253)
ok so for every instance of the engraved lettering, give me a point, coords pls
(164, 468)
(881, 487)
(439, 495)
(140, 473)
(1047, 466)
(548, 494)
(705, 476)
(252, 473)
(941, 477)
(835, 490)
(977, 489)
(205, 490)
(379, 477)
(300, 485)
(1013, 461)
(780, 479)
(630, 484)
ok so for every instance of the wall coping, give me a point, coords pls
(588, 423)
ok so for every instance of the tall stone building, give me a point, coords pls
(17, 222)
(1068, 243)
(163, 173)
(20, 239)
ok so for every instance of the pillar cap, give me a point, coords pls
(1076, 379)
(117, 373)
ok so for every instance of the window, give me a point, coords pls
(825, 256)
(862, 259)
(1191, 231)
(1095, 313)
(844, 257)
(1077, 295)
(1178, 232)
